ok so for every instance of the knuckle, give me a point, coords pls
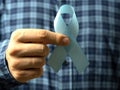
(42, 35)
(18, 34)
(44, 50)
(15, 34)
(23, 76)
(38, 63)
(19, 76)
(13, 50)
(42, 47)
(15, 64)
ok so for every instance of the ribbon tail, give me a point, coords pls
(57, 58)
(78, 58)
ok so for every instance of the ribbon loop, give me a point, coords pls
(73, 49)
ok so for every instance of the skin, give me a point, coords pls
(27, 50)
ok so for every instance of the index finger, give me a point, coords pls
(40, 36)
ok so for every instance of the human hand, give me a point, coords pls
(27, 50)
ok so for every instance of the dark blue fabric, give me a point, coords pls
(99, 38)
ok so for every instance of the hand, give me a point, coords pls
(27, 50)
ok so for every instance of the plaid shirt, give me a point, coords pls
(99, 38)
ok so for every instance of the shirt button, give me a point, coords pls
(65, 63)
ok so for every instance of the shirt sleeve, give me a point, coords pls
(6, 80)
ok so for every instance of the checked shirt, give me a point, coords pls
(99, 38)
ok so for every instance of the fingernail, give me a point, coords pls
(66, 41)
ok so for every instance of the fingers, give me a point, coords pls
(28, 63)
(29, 50)
(25, 75)
(40, 36)
(24, 69)
(26, 57)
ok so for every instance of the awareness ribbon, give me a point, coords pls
(73, 49)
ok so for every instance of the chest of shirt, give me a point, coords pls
(96, 18)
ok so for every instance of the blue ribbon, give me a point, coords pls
(73, 49)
